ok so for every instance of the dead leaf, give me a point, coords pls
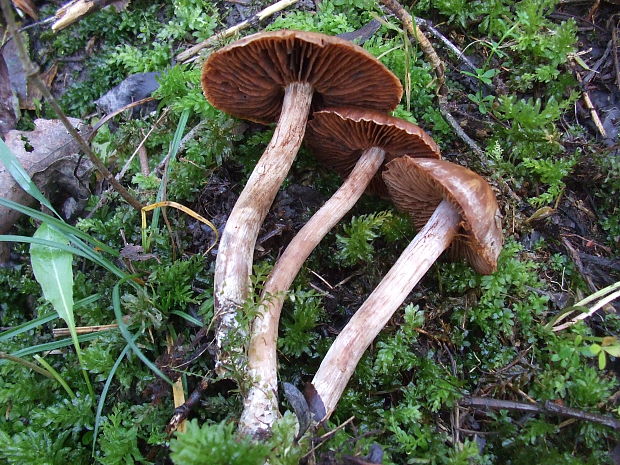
(135, 253)
(28, 7)
(131, 89)
(34, 94)
(51, 157)
(17, 76)
(317, 407)
(9, 111)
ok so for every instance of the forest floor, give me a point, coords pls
(514, 367)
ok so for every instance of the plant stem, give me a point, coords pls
(346, 351)
(233, 265)
(261, 402)
(32, 73)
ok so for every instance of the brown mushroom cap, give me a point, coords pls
(247, 78)
(338, 136)
(418, 185)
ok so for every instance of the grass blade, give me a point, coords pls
(59, 225)
(104, 394)
(57, 344)
(27, 364)
(116, 304)
(172, 153)
(11, 333)
(188, 317)
(43, 242)
(6, 335)
(55, 374)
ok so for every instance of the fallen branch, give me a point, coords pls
(590, 106)
(449, 45)
(541, 408)
(425, 44)
(614, 40)
(270, 10)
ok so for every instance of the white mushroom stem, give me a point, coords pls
(261, 401)
(349, 346)
(233, 265)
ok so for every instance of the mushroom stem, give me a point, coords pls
(349, 346)
(233, 265)
(261, 402)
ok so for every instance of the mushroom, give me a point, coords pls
(455, 208)
(354, 142)
(279, 76)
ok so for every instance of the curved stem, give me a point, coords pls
(233, 265)
(261, 402)
(347, 349)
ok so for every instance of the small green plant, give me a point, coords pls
(218, 444)
(119, 440)
(297, 326)
(484, 76)
(484, 102)
(606, 346)
(355, 246)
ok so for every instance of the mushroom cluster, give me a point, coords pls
(345, 93)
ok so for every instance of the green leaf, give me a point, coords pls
(52, 268)
(614, 351)
(602, 360)
(595, 349)
(12, 164)
(53, 271)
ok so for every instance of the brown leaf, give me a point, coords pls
(8, 102)
(51, 158)
(17, 77)
(135, 253)
(34, 94)
(28, 7)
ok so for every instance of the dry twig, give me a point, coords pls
(270, 10)
(425, 45)
(182, 411)
(76, 10)
(593, 113)
(549, 408)
(64, 332)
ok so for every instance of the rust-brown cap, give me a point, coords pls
(247, 78)
(338, 136)
(418, 185)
